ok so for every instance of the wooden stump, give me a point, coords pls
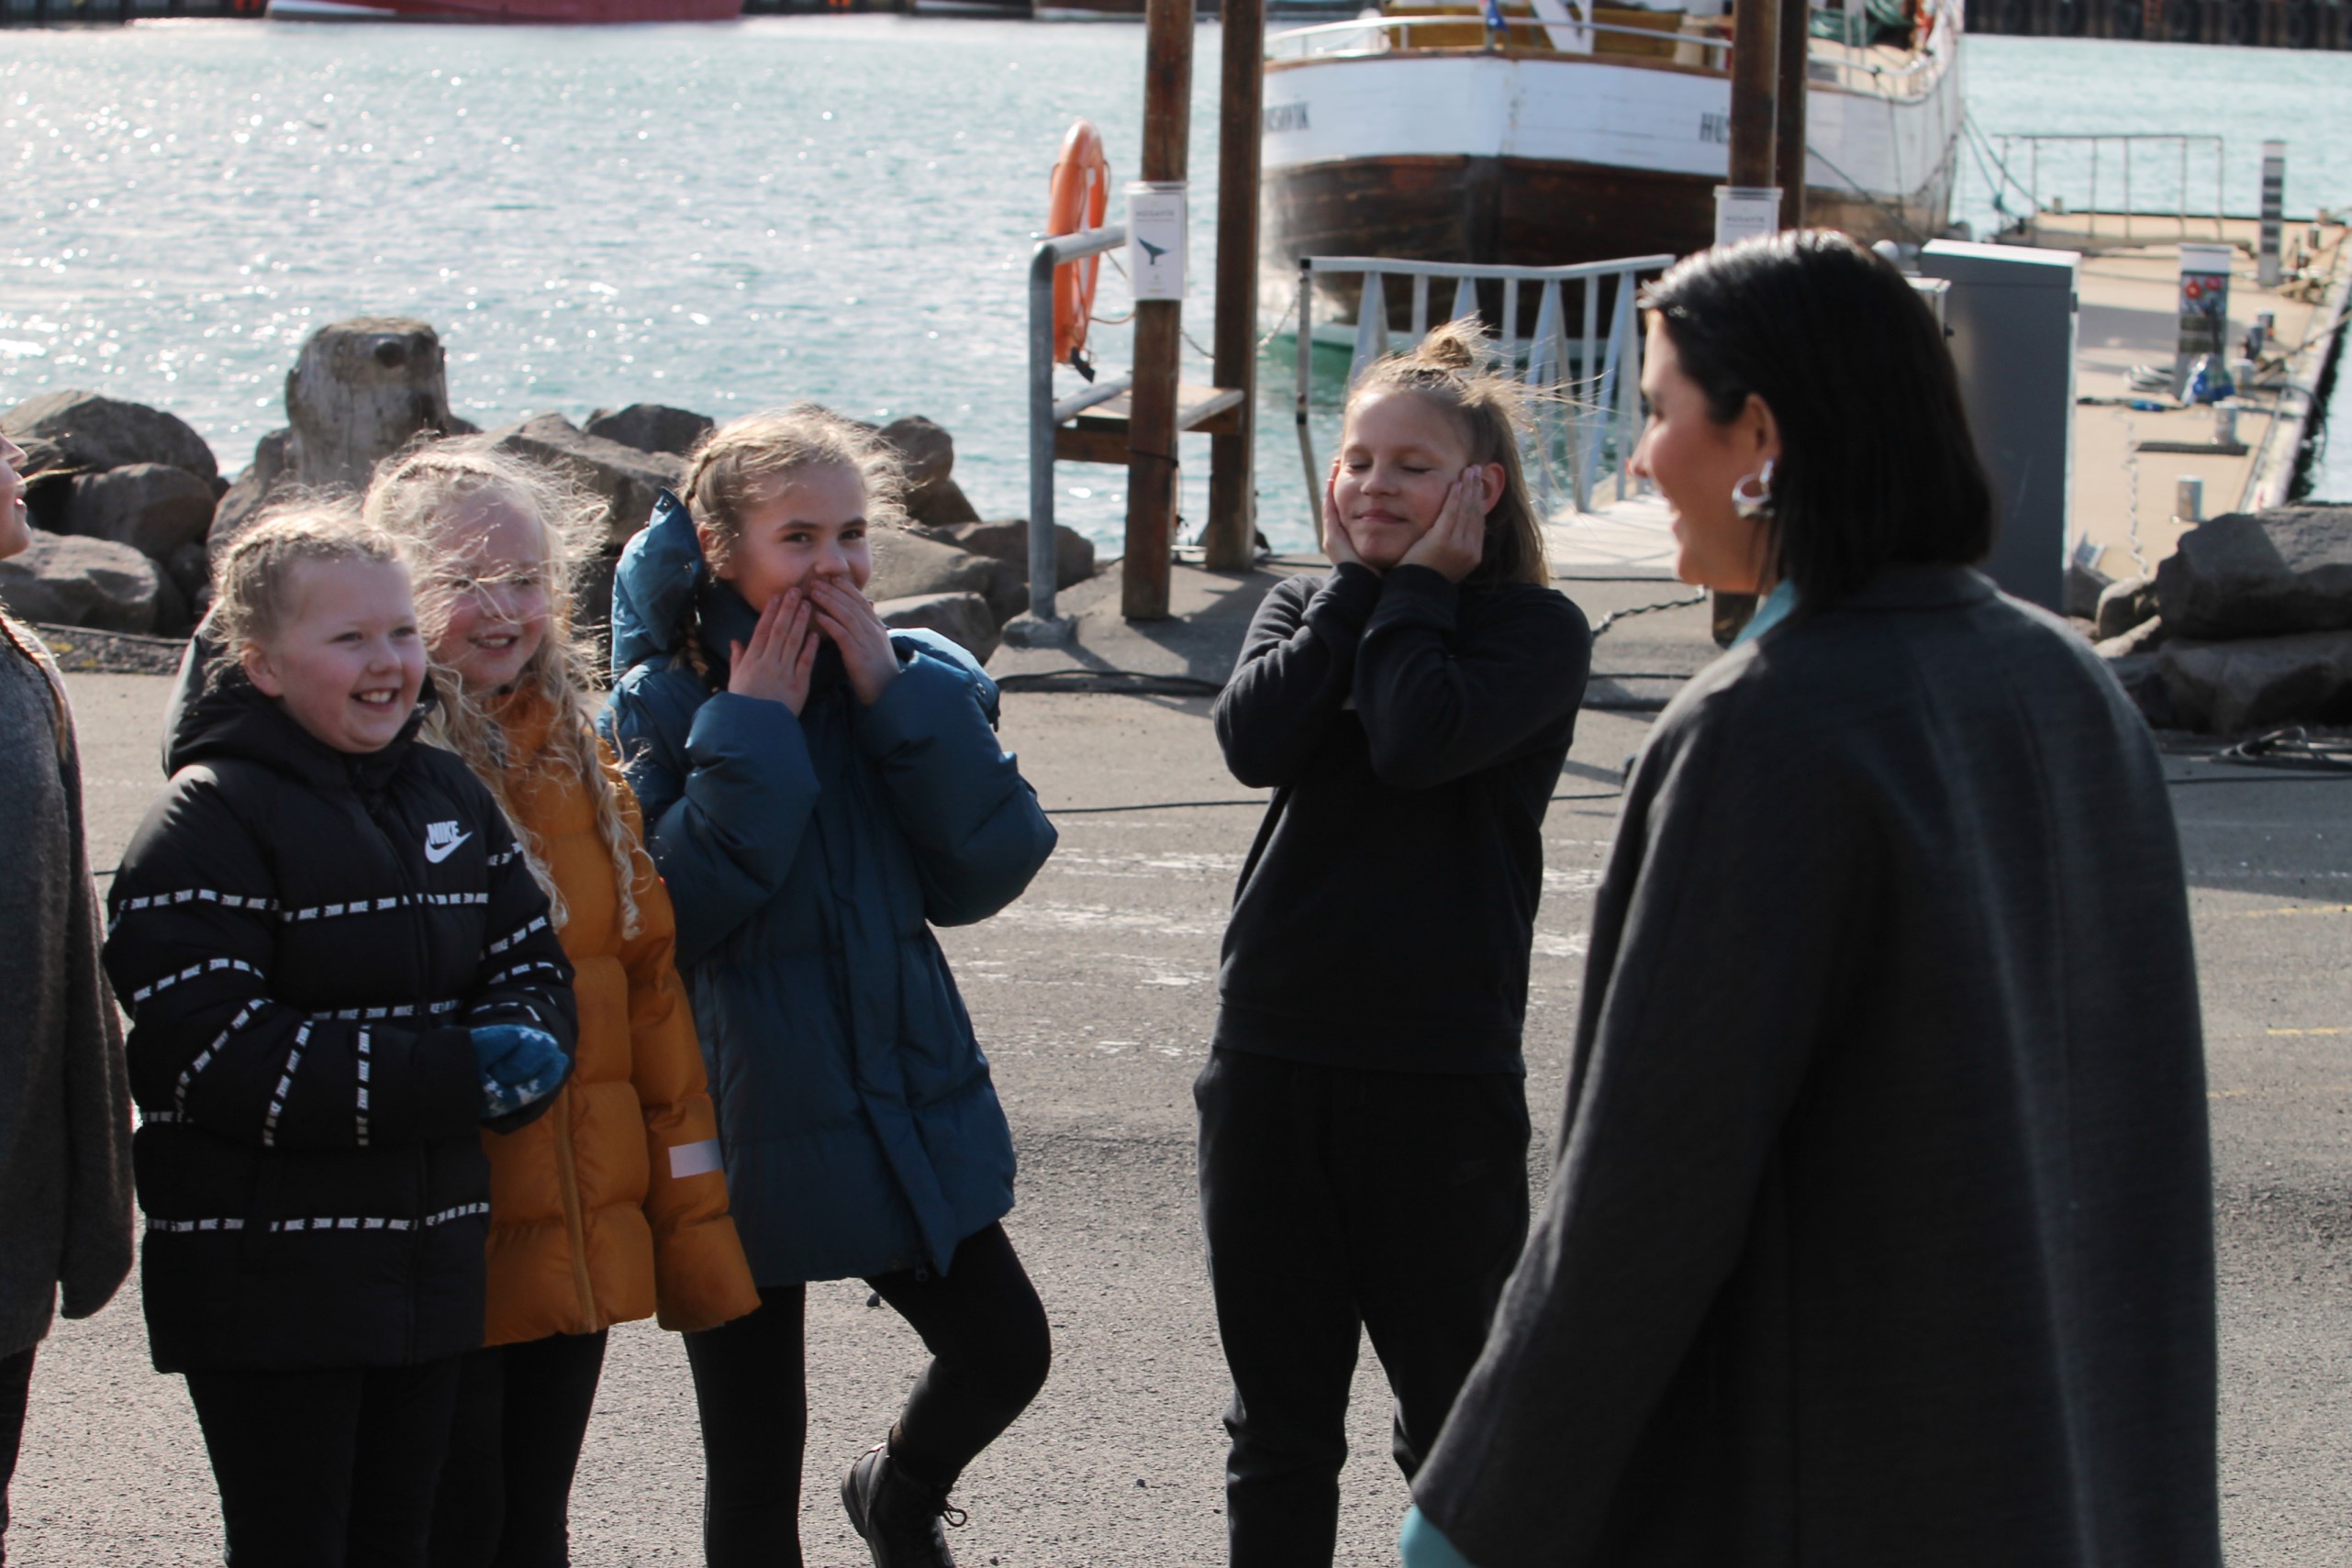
(360, 390)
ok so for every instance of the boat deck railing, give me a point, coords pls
(2060, 176)
(1703, 42)
(1586, 385)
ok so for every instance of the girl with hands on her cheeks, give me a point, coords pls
(1363, 1148)
(810, 855)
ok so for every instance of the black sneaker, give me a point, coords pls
(899, 1515)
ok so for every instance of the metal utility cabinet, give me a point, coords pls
(2010, 314)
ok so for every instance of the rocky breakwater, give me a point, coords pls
(2248, 625)
(121, 497)
(131, 512)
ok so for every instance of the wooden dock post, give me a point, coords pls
(1757, 58)
(1232, 536)
(1789, 119)
(1159, 328)
(1755, 82)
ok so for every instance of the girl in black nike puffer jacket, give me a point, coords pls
(306, 940)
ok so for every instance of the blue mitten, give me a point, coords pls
(520, 1065)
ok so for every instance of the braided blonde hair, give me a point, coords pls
(415, 496)
(744, 456)
(253, 581)
(1456, 368)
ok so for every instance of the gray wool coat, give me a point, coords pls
(1881, 1231)
(65, 1205)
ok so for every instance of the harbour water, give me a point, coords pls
(725, 217)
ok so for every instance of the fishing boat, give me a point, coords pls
(1549, 133)
(535, 12)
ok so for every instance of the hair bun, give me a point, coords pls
(1454, 346)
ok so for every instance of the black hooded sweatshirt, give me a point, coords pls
(303, 939)
(1413, 732)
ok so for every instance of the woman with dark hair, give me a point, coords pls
(1881, 1227)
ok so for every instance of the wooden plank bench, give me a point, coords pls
(1098, 433)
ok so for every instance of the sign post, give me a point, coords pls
(1745, 212)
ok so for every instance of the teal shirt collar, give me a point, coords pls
(1777, 608)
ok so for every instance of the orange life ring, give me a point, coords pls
(1081, 196)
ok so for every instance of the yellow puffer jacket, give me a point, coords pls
(612, 1205)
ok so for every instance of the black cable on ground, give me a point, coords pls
(2292, 747)
(1254, 800)
(1696, 597)
(1136, 682)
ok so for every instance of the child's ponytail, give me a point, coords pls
(1455, 367)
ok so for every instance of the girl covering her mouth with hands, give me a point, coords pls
(819, 791)
(1363, 1117)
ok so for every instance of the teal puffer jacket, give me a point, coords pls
(808, 858)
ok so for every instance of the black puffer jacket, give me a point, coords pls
(303, 939)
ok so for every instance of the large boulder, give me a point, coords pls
(68, 581)
(942, 506)
(1007, 539)
(908, 565)
(264, 481)
(2251, 682)
(926, 454)
(652, 427)
(2260, 575)
(154, 507)
(84, 432)
(964, 620)
(189, 569)
(360, 390)
(626, 477)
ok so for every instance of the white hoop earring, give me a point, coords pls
(1752, 496)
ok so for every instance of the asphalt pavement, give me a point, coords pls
(1093, 995)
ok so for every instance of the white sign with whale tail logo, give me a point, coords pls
(1155, 237)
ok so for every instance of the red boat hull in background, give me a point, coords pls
(532, 12)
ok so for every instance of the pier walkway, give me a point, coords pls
(1093, 995)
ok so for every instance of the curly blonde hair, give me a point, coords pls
(1456, 368)
(253, 584)
(420, 495)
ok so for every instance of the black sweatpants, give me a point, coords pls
(16, 1393)
(332, 1469)
(505, 1491)
(1338, 1200)
(990, 1350)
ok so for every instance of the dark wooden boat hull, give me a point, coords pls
(1522, 212)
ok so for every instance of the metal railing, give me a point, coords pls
(2072, 151)
(1045, 415)
(1701, 41)
(1569, 34)
(1584, 397)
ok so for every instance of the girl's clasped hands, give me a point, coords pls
(780, 660)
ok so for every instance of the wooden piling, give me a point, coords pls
(1755, 81)
(1758, 55)
(1789, 119)
(1231, 538)
(1159, 328)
